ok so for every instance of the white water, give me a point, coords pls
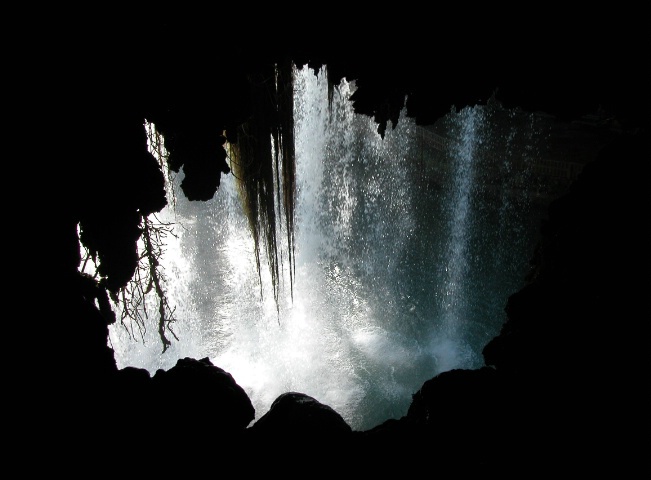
(380, 301)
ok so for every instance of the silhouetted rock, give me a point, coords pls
(300, 430)
(299, 416)
(197, 397)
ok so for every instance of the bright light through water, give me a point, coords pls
(385, 271)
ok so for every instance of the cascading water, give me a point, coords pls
(446, 344)
(398, 277)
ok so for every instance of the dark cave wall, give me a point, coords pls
(573, 337)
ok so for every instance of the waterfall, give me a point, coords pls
(450, 353)
(396, 279)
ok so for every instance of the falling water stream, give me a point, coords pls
(405, 257)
